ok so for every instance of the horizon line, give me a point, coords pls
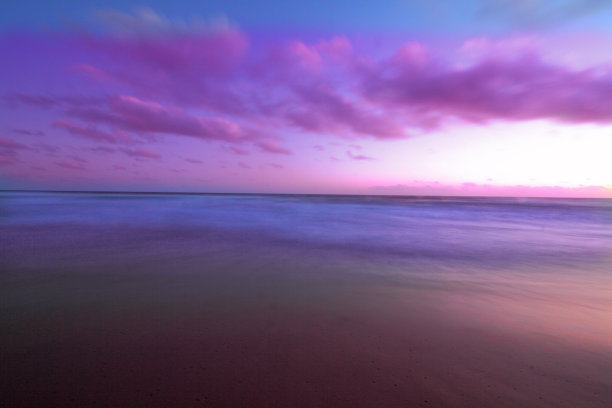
(285, 194)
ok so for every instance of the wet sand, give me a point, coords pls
(262, 324)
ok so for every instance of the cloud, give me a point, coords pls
(137, 115)
(7, 158)
(358, 156)
(322, 109)
(188, 85)
(47, 148)
(102, 149)
(9, 151)
(167, 78)
(514, 89)
(79, 159)
(72, 165)
(10, 144)
(89, 132)
(141, 153)
(41, 101)
(27, 132)
(244, 165)
(150, 41)
(238, 150)
(271, 146)
(194, 161)
(92, 72)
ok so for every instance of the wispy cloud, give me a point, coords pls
(358, 156)
(271, 146)
(71, 165)
(141, 153)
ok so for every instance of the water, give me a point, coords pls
(486, 230)
(335, 300)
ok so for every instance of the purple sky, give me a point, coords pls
(507, 100)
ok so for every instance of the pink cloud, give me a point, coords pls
(84, 132)
(47, 148)
(336, 91)
(27, 132)
(358, 156)
(244, 165)
(194, 161)
(210, 53)
(102, 149)
(40, 101)
(10, 144)
(238, 150)
(9, 151)
(137, 115)
(92, 72)
(141, 153)
(271, 146)
(7, 158)
(79, 159)
(306, 57)
(322, 109)
(72, 165)
(138, 86)
(514, 89)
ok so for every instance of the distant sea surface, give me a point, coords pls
(120, 299)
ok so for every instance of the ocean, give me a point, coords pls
(144, 299)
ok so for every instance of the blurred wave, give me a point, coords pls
(482, 230)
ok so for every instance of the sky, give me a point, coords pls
(399, 97)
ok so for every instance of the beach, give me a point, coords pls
(155, 300)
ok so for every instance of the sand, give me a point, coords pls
(246, 324)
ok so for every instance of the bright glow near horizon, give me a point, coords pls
(151, 99)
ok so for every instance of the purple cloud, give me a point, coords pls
(7, 157)
(271, 146)
(72, 165)
(208, 83)
(90, 133)
(41, 101)
(27, 132)
(102, 149)
(358, 156)
(137, 115)
(10, 144)
(141, 153)
(516, 89)
(238, 150)
(9, 151)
